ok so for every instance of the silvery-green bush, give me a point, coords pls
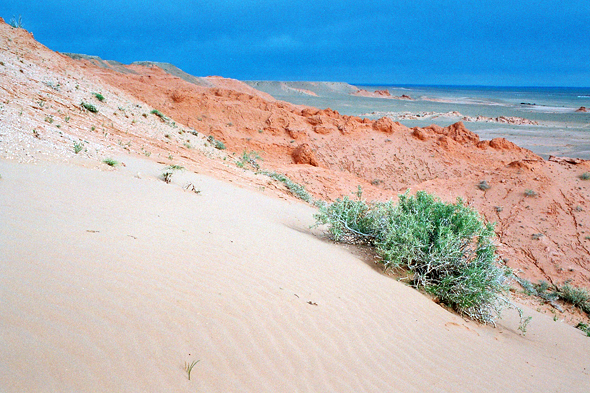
(447, 247)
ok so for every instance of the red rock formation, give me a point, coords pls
(303, 154)
(388, 126)
(582, 109)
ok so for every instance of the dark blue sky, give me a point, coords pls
(502, 42)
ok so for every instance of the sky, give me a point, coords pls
(445, 42)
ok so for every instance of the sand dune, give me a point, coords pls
(111, 282)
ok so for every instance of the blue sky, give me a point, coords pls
(505, 43)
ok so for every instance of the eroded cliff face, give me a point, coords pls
(544, 233)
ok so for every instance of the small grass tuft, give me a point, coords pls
(585, 176)
(188, 367)
(17, 23)
(530, 193)
(89, 107)
(99, 96)
(78, 147)
(111, 162)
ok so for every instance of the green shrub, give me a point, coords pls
(585, 176)
(88, 107)
(99, 96)
(447, 247)
(579, 297)
(530, 193)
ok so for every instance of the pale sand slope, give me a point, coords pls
(225, 276)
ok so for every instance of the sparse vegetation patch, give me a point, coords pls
(99, 96)
(169, 171)
(249, 159)
(296, 189)
(584, 327)
(585, 176)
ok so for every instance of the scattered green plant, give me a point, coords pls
(584, 327)
(88, 107)
(111, 162)
(188, 367)
(296, 189)
(53, 85)
(585, 176)
(36, 134)
(217, 144)
(537, 236)
(249, 159)
(67, 119)
(524, 322)
(159, 114)
(530, 193)
(483, 185)
(78, 147)
(17, 23)
(99, 96)
(447, 248)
